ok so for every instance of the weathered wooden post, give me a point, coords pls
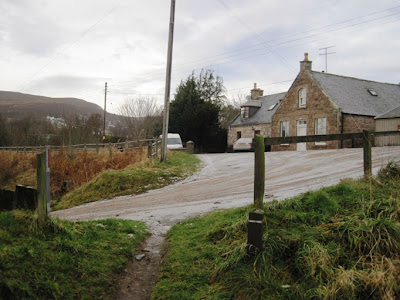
(255, 232)
(367, 147)
(149, 150)
(259, 171)
(43, 184)
(156, 144)
(256, 217)
(110, 149)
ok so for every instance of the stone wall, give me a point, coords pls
(355, 123)
(248, 131)
(317, 106)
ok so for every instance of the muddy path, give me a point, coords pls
(226, 181)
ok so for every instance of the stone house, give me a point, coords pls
(319, 103)
(255, 115)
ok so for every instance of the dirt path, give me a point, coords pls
(226, 181)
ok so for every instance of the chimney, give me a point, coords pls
(256, 92)
(305, 64)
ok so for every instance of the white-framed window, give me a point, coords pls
(284, 128)
(320, 129)
(302, 97)
(245, 112)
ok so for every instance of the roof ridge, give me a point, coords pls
(350, 77)
(269, 95)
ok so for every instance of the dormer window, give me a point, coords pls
(302, 97)
(245, 112)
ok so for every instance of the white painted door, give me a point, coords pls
(301, 131)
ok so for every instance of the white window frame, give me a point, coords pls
(245, 112)
(285, 124)
(320, 129)
(302, 97)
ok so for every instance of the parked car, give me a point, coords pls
(173, 141)
(243, 144)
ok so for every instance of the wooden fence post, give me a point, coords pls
(367, 143)
(259, 171)
(149, 150)
(255, 232)
(156, 144)
(41, 186)
(256, 217)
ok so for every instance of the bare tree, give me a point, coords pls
(230, 110)
(141, 116)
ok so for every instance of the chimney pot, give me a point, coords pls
(306, 64)
(256, 92)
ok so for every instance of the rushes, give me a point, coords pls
(68, 172)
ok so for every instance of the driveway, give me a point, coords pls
(226, 181)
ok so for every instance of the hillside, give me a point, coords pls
(17, 105)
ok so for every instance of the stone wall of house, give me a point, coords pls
(247, 131)
(355, 123)
(317, 106)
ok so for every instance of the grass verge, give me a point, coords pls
(134, 179)
(62, 259)
(340, 242)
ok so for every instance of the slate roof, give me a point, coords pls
(394, 113)
(263, 115)
(353, 95)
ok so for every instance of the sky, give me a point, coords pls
(61, 48)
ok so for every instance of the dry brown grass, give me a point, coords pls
(68, 170)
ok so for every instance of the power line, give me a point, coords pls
(256, 35)
(224, 60)
(261, 46)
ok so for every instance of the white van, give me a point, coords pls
(173, 141)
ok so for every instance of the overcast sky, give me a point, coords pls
(70, 48)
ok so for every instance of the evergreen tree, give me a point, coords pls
(194, 113)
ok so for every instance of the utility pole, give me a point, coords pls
(104, 120)
(168, 83)
(326, 56)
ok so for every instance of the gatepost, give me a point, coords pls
(43, 184)
(256, 217)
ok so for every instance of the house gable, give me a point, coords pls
(259, 120)
(317, 106)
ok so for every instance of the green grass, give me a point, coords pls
(134, 179)
(342, 242)
(62, 259)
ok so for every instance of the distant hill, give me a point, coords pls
(17, 105)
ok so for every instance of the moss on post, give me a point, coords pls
(367, 143)
(259, 171)
(41, 187)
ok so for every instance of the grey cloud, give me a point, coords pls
(59, 83)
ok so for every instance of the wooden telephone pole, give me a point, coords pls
(168, 83)
(104, 120)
